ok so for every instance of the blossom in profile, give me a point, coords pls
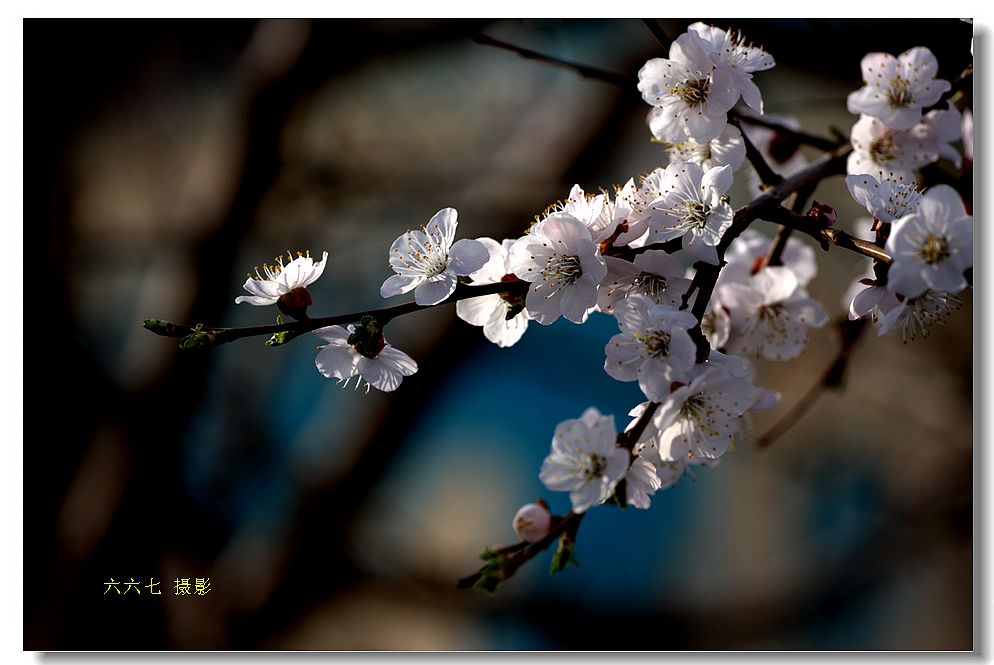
(282, 281)
(429, 263)
(362, 353)
(895, 90)
(915, 317)
(886, 200)
(563, 265)
(585, 460)
(932, 247)
(502, 316)
(742, 58)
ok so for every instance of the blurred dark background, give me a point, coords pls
(164, 159)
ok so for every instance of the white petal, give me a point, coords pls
(442, 226)
(398, 284)
(467, 256)
(255, 300)
(336, 361)
(435, 289)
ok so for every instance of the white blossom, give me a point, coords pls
(585, 460)
(563, 265)
(932, 247)
(641, 482)
(628, 209)
(691, 91)
(653, 347)
(742, 58)
(654, 273)
(427, 262)
(750, 249)
(280, 279)
(947, 124)
(891, 154)
(692, 205)
(886, 200)
(727, 149)
(340, 360)
(915, 316)
(770, 315)
(865, 297)
(502, 316)
(700, 419)
(896, 90)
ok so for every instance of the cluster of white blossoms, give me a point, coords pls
(617, 254)
(892, 139)
(928, 234)
(929, 237)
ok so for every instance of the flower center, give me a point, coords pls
(933, 249)
(694, 93)
(899, 93)
(697, 213)
(272, 272)
(903, 200)
(695, 408)
(650, 285)
(656, 342)
(883, 149)
(594, 465)
(565, 269)
(926, 310)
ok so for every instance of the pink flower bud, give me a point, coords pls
(532, 522)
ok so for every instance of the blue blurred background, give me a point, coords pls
(165, 159)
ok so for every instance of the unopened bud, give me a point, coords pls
(532, 522)
(822, 212)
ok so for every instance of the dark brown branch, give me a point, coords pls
(832, 163)
(826, 235)
(583, 70)
(797, 202)
(767, 175)
(382, 315)
(851, 332)
(805, 138)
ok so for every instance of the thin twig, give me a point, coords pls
(583, 70)
(521, 553)
(805, 138)
(767, 175)
(826, 235)
(382, 315)
(851, 332)
(797, 202)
